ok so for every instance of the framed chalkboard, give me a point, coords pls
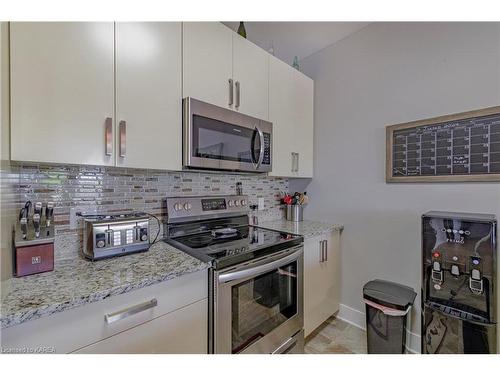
(452, 148)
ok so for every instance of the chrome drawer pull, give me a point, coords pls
(122, 314)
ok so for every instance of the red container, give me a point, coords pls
(34, 259)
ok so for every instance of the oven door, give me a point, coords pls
(259, 306)
(218, 138)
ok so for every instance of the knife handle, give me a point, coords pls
(24, 227)
(49, 213)
(36, 224)
(38, 208)
(27, 208)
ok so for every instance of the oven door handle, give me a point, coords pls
(286, 345)
(263, 268)
(262, 147)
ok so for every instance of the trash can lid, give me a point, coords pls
(389, 294)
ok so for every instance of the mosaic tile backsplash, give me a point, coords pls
(113, 190)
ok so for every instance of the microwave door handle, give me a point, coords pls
(257, 270)
(262, 148)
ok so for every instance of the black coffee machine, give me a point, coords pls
(459, 297)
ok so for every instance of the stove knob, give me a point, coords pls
(177, 206)
(243, 202)
(230, 203)
(188, 206)
(236, 203)
(100, 243)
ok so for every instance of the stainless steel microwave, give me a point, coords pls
(218, 138)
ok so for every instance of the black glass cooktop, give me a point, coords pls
(224, 248)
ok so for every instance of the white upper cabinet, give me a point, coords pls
(222, 68)
(281, 115)
(207, 62)
(62, 92)
(251, 78)
(149, 95)
(100, 93)
(291, 112)
(303, 115)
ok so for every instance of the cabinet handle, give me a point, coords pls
(231, 91)
(297, 163)
(321, 252)
(237, 85)
(294, 162)
(123, 138)
(326, 250)
(108, 136)
(122, 314)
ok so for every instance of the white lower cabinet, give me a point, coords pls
(168, 317)
(183, 331)
(321, 279)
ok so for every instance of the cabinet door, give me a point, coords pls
(303, 108)
(62, 91)
(183, 331)
(281, 111)
(207, 62)
(332, 263)
(149, 95)
(321, 280)
(251, 73)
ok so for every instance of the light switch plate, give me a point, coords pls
(261, 203)
(75, 221)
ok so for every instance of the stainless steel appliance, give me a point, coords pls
(459, 307)
(255, 279)
(218, 138)
(111, 235)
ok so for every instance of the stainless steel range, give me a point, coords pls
(256, 278)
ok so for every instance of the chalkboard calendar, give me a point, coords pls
(459, 147)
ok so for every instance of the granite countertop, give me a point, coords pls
(77, 282)
(306, 228)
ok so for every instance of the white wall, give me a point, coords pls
(384, 74)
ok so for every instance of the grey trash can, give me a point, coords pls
(387, 308)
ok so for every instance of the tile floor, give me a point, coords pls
(336, 337)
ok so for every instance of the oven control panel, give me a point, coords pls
(189, 208)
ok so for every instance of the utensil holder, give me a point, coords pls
(294, 212)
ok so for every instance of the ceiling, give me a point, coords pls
(299, 39)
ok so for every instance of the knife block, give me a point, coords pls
(34, 259)
(33, 254)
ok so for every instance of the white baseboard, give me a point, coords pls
(357, 318)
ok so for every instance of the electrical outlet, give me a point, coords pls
(75, 221)
(261, 203)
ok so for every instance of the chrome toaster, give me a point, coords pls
(106, 236)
